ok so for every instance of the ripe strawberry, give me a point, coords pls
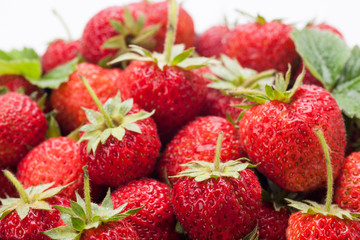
(347, 187)
(59, 52)
(23, 126)
(280, 134)
(261, 45)
(217, 200)
(120, 143)
(197, 140)
(15, 82)
(71, 96)
(156, 220)
(120, 230)
(210, 42)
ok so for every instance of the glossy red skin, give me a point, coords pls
(261, 46)
(7, 188)
(197, 141)
(223, 208)
(308, 226)
(272, 224)
(281, 137)
(72, 95)
(119, 230)
(347, 194)
(37, 221)
(156, 220)
(55, 160)
(210, 42)
(59, 52)
(14, 82)
(118, 162)
(22, 125)
(176, 95)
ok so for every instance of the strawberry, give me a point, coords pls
(22, 126)
(156, 220)
(217, 200)
(59, 52)
(261, 45)
(347, 185)
(114, 230)
(197, 140)
(120, 143)
(71, 96)
(16, 82)
(26, 217)
(56, 161)
(279, 133)
(210, 42)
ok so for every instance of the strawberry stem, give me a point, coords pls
(109, 123)
(217, 152)
(63, 24)
(171, 29)
(329, 193)
(87, 194)
(19, 187)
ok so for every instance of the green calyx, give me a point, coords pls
(202, 170)
(112, 120)
(277, 92)
(30, 198)
(231, 75)
(83, 215)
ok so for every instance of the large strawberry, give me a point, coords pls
(347, 185)
(217, 200)
(16, 82)
(71, 96)
(210, 42)
(156, 220)
(261, 45)
(120, 143)
(22, 126)
(26, 217)
(280, 134)
(197, 140)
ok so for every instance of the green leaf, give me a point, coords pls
(105, 135)
(124, 107)
(77, 224)
(53, 128)
(93, 116)
(22, 211)
(132, 127)
(107, 202)
(347, 96)
(63, 232)
(323, 53)
(128, 19)
(78, 210)
(137, 116)
(221, 85)
(117, 25)
(116, 42)
(181, 57)
(118, 133)
(66, 210)
(352, 67)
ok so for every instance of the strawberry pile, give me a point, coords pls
(142, 129)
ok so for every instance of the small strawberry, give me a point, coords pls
(156, 220)
(22, 126)
(347, 185)
(279, 134)
(71, 96)
(88, 221)
(33, 212)
(197, 140)
(120, 143)
(217, 200)
(261, 45)
(16, 82)
(210, 42)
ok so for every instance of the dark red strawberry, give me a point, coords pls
(210, 42)
(156, 220)
(217, 200)
(347, 185)
(16, 82)
(22, 126)
(59, 52)
(261, 45)
(71, 96)
(197, 140)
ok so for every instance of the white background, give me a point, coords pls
(31, 23)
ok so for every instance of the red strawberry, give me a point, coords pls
(71, 96)
(347, 187)
(57, 161)
(22, 126)
(197, 140)
(210, 42)
(7, 188)
(272, 224)
(261, 45)
(15, 82)
(58, 53)
(280, 135)
(156, 220)
(217, 200)
(120, 230)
